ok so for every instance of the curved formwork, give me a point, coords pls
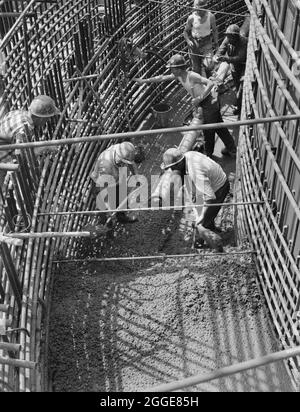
(269, 161)
(81, 54)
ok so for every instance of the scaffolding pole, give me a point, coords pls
(148, 209)
(227, 371)
(147, 133)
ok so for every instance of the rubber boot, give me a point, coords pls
(123, 217)
(230, 153)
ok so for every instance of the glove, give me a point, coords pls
(213, 240)
(139, 155)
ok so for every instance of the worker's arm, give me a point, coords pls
(240, 57)
(156, 79)
(4, 138)
(197, 79)
(187, 33)
(215, 32)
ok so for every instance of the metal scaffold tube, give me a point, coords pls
(147, 209)
(155, 257)
(147, 133)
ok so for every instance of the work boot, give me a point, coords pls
(198, 244)
(123, 217)
(236, 111)
(227, 152)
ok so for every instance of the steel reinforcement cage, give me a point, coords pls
(45, 44)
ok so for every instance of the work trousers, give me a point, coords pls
(212, 211)
(211, 114)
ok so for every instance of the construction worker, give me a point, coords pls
(233, 50)
(207, 182)
(204, 99)
(201, 35)
(19, 125)
(107, 168)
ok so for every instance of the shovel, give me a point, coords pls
(103, 229)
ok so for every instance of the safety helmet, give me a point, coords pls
(126, 152)
(233, 29)
(176, 61)
(43, 106)
(171, 157)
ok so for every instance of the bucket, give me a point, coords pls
(161, 112)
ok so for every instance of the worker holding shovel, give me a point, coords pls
(204, 100)
(109, 180)
(18, 126)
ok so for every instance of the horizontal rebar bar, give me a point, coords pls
(227, 371)
(146, 133)
(146, 209)
(88, 76)
(128, 258)
(16, 14)
(18, 363)
(93, 124)
(4, 307)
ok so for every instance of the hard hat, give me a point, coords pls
(171, 157)
(43, 106)
(233, 29)
(176, 61)
(126, 152)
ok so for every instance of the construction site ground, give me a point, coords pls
(129, 325)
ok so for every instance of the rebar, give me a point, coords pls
(147, 133)
(227, 371)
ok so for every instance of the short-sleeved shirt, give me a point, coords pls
(15, 125)
(206, 175)
(198, 28)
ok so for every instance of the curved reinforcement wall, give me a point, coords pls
(269, 164)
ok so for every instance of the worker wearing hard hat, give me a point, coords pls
(233, 50)
(204, 99)
(18, 126)
(208, 182)
(107, 170)
(201, 35)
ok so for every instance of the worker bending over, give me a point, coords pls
(204, 99)
(107, 169)
(207, 182)
(18, 126)
(201, 35)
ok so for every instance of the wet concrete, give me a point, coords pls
(126, 326)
